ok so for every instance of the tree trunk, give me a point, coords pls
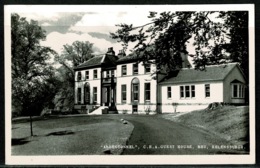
(31, 123)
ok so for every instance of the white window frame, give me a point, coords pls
(169, 91)
(146, 91)
(240, 91)
(122, 69)
(95, 75)
(86, 75)
(207, 91)
(135, 67)
(187, 89)
(124, 92)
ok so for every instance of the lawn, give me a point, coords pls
(84, 135)
(228, 122)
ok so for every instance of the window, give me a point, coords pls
(135, 89)
(147, 90)
(147, 68)
(238, 91)
(123, 90)
(94, 94)
(79, 76)
(182, 91)
(135, 69)
(124, 70)
(135, 108)
(169, 92)
(207, 90)
(79, 95)
(95, 74)
(187, 91)
(86, 93)
(87, 74)
(192, 91)
(112, 73)
(108, 74)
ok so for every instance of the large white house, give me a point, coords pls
(122, 84)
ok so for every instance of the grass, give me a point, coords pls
(83, 135)
(228, 122)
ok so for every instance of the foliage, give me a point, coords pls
(72, 56)
(165, 38)
(33, 82)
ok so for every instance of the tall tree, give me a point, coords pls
(32, 76)
(237, 24)
(165, 38)
(72, 56)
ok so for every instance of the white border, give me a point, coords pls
(136, 159)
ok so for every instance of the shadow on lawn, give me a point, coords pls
(19, 141)
(60, 133)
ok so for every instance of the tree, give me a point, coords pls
(237, 23)
(165, 38)
(33, 82)
(72, 56)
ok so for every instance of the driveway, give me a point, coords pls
(143, 135)
(155, 135)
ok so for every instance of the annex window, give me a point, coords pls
(238, 91)
(192, 91)
(86, 93)
(147, 68)
(95, 74)
(135, 90)
(187, 91)
(182, 91)
(94, 94)
(135, 69)
(79, 95)
(123, 90)
(79, 76)
(147, 89)
(169, 92)
(124, 70)
(207, 90)
(87, 74)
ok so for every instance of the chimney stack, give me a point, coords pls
(121, 53)
(110, 51)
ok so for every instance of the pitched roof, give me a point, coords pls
(211, 73)
(95, 61)
(127, 59)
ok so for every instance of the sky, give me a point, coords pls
(88, 23)
(65, 24)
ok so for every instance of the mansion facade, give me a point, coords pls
(112, 83)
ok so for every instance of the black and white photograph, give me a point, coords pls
(129, 84)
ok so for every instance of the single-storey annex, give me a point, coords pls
(194, 89)
(122, 84)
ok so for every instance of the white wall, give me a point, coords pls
(92, 83)
(234, 74)
(200, 101)
(126, 80)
